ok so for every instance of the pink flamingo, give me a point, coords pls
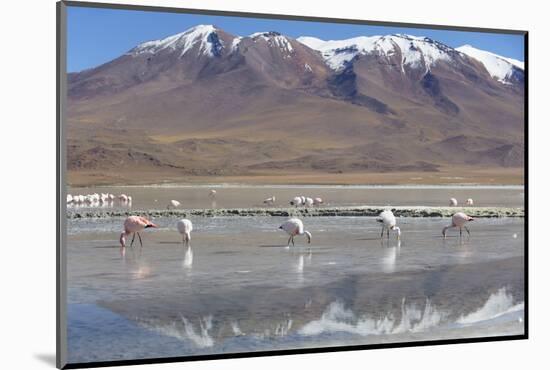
(134, 224)
(293, 227)
(459, 220)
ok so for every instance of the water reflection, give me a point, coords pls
(300, 264)
(184, 329)
(188, 258)
(300, 260)
(391, 254)
(407, 317)
(142, 271)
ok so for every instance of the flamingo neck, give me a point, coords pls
(123, 238)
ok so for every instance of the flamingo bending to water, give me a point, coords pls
(388, 223)
(459, 220)
(133, 225)
(270, 200)
(184, 228)
(453, 202)
(293, 227)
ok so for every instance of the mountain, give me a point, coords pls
(206, 102)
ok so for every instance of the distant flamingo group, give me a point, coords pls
(453, 202)
(305, 201)
(97, 200)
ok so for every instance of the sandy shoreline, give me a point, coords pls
(356, 211)
(449, 176)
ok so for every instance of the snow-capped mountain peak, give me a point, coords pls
(499, 67)
(274, 39)
(203, 35)
(415, 51)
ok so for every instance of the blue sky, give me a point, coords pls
(96, 36)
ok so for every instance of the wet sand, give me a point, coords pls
(240, 289)
(318, 211)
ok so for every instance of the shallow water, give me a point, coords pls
(230, 196)
(238, 288)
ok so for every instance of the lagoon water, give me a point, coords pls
(238, 288)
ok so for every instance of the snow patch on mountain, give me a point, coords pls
(235, 43)
(499, 67)
(337, 53)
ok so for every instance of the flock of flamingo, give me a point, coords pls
(293, 227)
(97, 200)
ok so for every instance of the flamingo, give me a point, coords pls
(308, 202)
(388, 223)
(296, 201)
(133, 225)
(270, 200)
(69, 198)
(469, 202)
(459, 220)
(184, 228)
(173, 204)
(212, 193)
(123, 198)
(317, 201)
(293, 227)
(453, 202)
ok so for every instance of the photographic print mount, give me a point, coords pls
(332, 82)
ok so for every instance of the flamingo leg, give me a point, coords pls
(292, 237)
(289, 239)
(467, 230)
(133, 237)
(140, 242)
(388, 232)
(460, 232)
(382, 233)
